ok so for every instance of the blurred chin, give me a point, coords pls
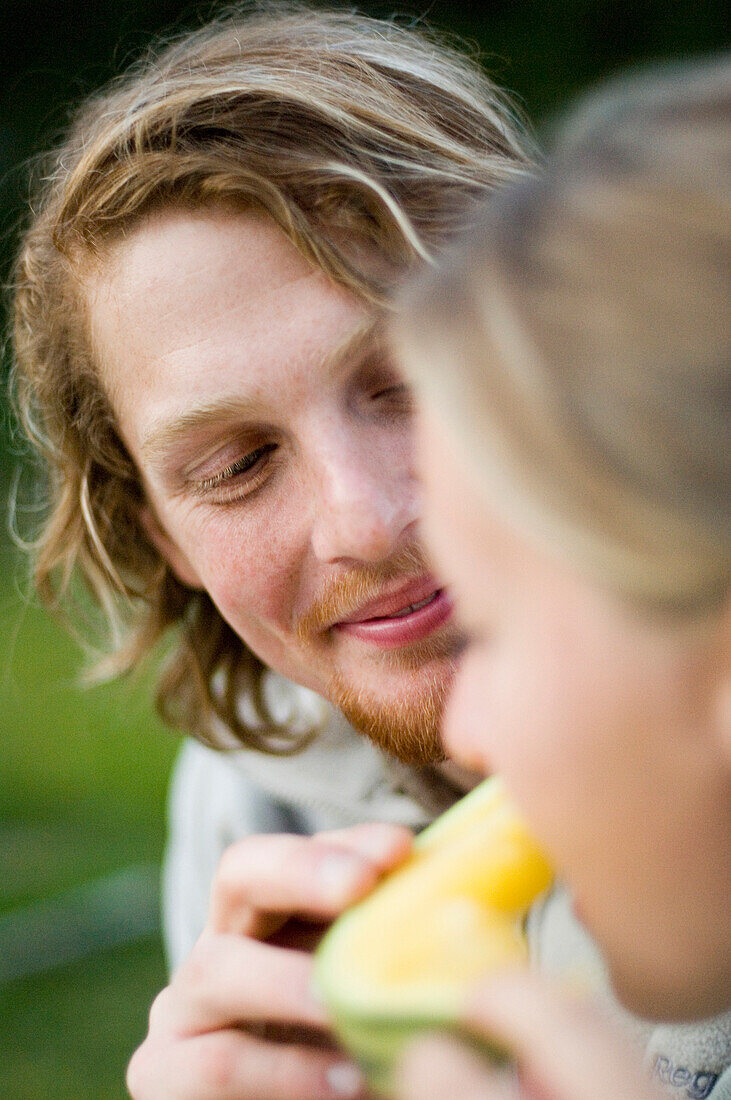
(669, 996)
(459, 747)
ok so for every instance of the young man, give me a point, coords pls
(198, 311)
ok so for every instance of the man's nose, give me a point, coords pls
(365, 503)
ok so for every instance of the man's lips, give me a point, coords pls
(402, 617)
(394, 603)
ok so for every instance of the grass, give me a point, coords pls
(69, 1035)
(83, 776)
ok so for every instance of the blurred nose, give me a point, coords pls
(366, 499)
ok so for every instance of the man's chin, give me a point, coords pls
(407, 728)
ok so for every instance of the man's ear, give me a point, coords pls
(170, 551)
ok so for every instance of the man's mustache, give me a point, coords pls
(342, 596)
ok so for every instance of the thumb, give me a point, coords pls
(565, 1047)
(438, 1067)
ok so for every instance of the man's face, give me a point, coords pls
(273, 439)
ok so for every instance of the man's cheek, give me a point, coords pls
(255, 607)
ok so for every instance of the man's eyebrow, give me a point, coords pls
(163, 436)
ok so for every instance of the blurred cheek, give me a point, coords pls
(438, 513)
(464, 720)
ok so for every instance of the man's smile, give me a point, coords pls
(408, 615)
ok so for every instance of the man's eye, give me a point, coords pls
(249, 464)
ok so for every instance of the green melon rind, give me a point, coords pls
(377, 1044)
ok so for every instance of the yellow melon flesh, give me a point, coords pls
(403, 958)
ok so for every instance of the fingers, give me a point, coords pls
(385, 845)
(231, 1065)
(209, 1034)
(230, 980)
(564, 1046)
(263, 880)
(440, 1068)
(238, 1019)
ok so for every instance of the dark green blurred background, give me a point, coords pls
(83, 774)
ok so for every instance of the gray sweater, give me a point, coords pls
(340, 780)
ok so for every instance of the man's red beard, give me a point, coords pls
(408, 728)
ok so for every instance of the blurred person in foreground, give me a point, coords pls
(199, 304)
(572, 366)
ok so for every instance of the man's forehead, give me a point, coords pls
(221, 260)
(201, 310)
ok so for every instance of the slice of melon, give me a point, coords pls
(401, 961)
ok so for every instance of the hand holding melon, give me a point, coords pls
(401, 961)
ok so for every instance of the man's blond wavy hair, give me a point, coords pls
(365, 141)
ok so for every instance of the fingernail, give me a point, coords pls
(339, 874)
(345, 1079)
(382, 844)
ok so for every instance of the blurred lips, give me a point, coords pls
(403, 617)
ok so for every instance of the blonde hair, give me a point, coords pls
(365, 142)
(578, 342)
